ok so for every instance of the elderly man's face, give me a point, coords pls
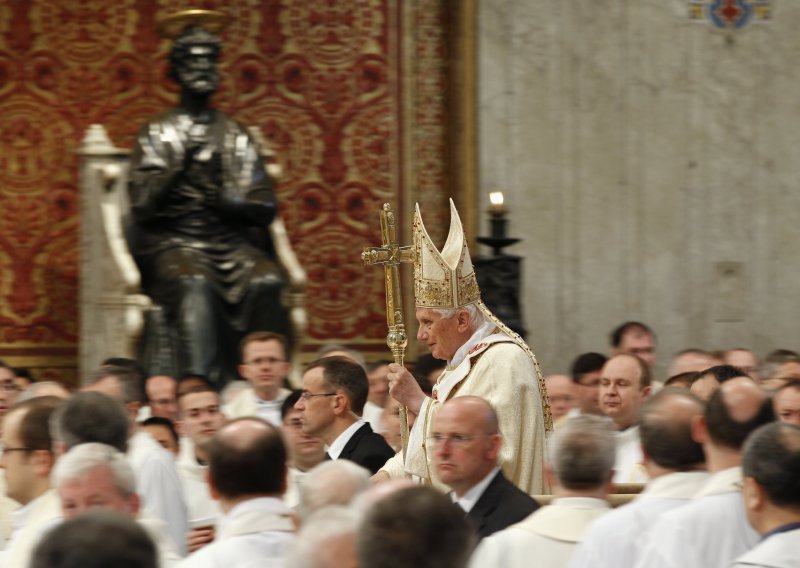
(95, 490)
(443, 336)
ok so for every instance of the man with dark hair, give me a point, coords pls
(786, 402)
(712, 530)
(200, 419)
(265, 365)
(771, 469)
(675, 464)
(581, 453)
(163, 431)
(586, 372)
(8, 388)
(247, 473)
(624, 386)
(28, 459)
(709, 379)
(304, 451)
(634, 338)
(97, 539)
(333, 397)
(378, 392)
(157, 478)
(466, 442)
(90, 417)
(414, 527)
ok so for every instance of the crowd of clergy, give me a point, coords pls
(699, 468)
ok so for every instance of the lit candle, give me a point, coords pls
(496, 203)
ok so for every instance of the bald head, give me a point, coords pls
(465, 441)
(247, 458)
(473, 409)
(666, 430)
(735, 409)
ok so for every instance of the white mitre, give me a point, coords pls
(447, 280)
(443, 279)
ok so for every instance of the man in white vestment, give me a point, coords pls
(200, 419)
(484, 359)
(624, 386)
(247, 473)
(580, 466)
(771, 469)
(96, 476)
(675, 464)
(157, 480)
(265, 365)
(28, 459)
(712, 530)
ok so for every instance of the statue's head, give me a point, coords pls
(193, 60)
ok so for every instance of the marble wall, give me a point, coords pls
(649, 164)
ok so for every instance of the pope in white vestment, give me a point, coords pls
(492, 363)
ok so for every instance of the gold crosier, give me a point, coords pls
(390, 255)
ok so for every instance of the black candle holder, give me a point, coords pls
(498, 239)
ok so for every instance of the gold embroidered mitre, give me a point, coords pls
(443, 279)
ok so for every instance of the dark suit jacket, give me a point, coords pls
(367, 449)
(501, 505)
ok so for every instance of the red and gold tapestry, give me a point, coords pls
(350, 94)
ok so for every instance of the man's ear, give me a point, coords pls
(753, 495)
(699, 429)
(134, 504)
(463, 320)
(133, 409)
(43, 462)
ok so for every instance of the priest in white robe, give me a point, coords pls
(675, 463)
(580, 467)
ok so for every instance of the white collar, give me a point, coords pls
(341, 440)
(677, 485)
(480, 334)
(468, 500)
(725, 481)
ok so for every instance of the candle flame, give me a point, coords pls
(496, 198)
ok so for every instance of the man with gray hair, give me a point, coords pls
(580, 467)
(157, 479)
(327, 540)
(335, 482)
(675, 463)
(92, 476)
(771, 469)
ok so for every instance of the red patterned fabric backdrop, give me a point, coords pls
(349, 94)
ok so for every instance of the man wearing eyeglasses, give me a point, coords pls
(466, 442)
(27, 460)
(265, 366)
(334, 393)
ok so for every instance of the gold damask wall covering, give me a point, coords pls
(350, 94)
